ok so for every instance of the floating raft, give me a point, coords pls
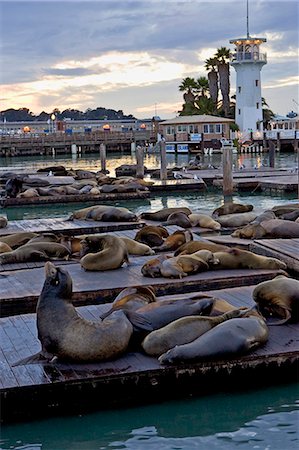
(286, 250)
(20, 289)
(37, 390)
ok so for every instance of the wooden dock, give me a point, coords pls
(35, 391)
(286, 250)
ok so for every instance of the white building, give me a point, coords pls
(248, 62)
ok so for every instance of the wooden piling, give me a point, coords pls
(103, 157)
(278, 142)
(271, 153)
(227, 165)
(139, 161)
(163, 168)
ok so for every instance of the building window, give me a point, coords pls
(256, 82)
(206, 128)
(257, 105)
(239, 111)
(239, 89)
(212, 128)
(168, 130)
(218, 128)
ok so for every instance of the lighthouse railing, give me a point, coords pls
(249, 56)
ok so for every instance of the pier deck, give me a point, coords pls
(286, 250)
(41, 390)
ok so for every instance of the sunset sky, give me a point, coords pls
(132, 55)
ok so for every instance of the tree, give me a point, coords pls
(202, 86)
(211, 66)
(223, 55)
(188, 86)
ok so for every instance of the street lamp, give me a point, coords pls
(53, 117)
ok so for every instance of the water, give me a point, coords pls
(257, 419)
(260, 419)
(207, 200)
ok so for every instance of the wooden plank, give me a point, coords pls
(286, 250)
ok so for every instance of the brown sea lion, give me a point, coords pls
(162, 312)
(181, 266)
(279, 298)
(236, 220)
(279, 228)
(204, 221)
(290, 216)
(231, 208)
(28, 193)
(137, 248)
(16, 239)
(112, 255)
(4, 248)
(44, 237)
(3, 222)
(66, 335)
(232, 337)
(151, 235)
(51, 249)
(175, 240)
(152, 268)
(19, 256)
(178, 218)
(182, 331)
(254, 230)
(163, 214)
(236, 258)
(194, 246)
(131, 299)
(284, 209)
(111, 214)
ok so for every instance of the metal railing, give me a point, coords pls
(248, 56)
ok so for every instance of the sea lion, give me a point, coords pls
(232, 337)
(175, 240)
(111, 214)
(3, 222)
(178, 218)
(44, 237)
(112, 255)
(254, 230)
(294, 215)
(4, 248)
(279, 228)
(204, 221)
(131, 299)
(279, 298)
(27, 255)
(163, 214)
(16, 239)
(236, 258)
(236, 220)
(152, 268)
(13, 186)
(182, 331)
(194, 246)
(81, 214)
(28, 193)
(231, 208)
(181, 266)
(284, 209)
(151, 235)
(162, 312)
(51, 249)
(137, 248)
(66, 335)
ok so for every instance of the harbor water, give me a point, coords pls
(263, 418)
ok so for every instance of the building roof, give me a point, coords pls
(196, 118)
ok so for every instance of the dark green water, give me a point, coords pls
(257, 419)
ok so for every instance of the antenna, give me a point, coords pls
(247, 17)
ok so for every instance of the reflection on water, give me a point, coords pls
(260, 419)
(151, 161)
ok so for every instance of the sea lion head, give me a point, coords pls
(58, 282)
(271, 303)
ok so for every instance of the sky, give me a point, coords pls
(133, 55)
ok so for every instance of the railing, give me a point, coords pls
(249, 57)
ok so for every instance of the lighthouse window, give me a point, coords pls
(256, 82)
(239, 111)
(257, 105)
(239, 89)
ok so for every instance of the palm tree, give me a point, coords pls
(211, 65)
(202, 86)
(223, 55)
(205, 105)
(188, 85)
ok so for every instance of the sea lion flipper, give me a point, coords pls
(37, 358)
(139, 322)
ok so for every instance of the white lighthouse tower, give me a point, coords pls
(248, 62)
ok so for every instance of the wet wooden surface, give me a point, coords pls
(37, 383)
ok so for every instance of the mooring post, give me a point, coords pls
(271, 153)
(227, 168)
(139, 161)
(278, 141)
(103, 157)
(163, 169)
(265, 140)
